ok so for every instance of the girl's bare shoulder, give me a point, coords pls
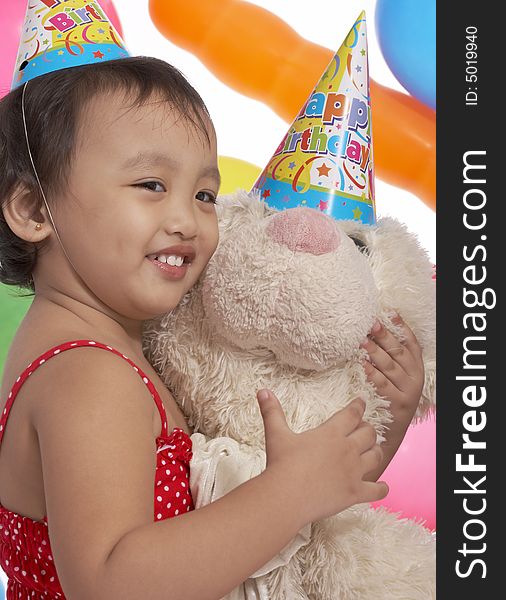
(35, 337)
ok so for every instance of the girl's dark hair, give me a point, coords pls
(53, 104)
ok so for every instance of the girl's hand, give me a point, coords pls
(322, 470)
(396, 369)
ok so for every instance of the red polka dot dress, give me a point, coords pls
(25, 549)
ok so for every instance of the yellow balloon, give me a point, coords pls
(236, 173)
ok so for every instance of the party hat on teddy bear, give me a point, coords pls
(325, 161)
(58, 34)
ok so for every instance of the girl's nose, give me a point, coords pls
(304, 229)
(181, 218)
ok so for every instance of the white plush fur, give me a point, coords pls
(263, 315)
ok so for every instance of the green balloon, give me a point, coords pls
(12, 310)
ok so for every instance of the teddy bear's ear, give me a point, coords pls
(405, 279)
(240, 209)
(242, 201)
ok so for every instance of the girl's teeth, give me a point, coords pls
(174, 261)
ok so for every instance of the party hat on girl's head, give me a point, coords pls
(58, 34)
(325, 161)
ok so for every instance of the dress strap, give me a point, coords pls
(34, 365)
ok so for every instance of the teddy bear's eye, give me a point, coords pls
(362, 246)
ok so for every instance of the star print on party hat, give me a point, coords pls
(58, 34)
(325, 161)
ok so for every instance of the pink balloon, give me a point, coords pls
(411, 476)
(12, 16)
(110, 11)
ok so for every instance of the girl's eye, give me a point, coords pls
(211, 196)
(148, 185)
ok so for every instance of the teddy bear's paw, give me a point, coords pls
(366, 554)
(285, 583)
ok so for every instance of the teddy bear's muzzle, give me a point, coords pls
(304, 230)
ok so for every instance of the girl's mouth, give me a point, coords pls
(173, 272)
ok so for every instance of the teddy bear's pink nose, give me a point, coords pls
(304, 230)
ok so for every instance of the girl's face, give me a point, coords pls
(142, 180)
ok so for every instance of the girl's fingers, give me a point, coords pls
(392, 347)
(364, 436)
(348, 418)
(384, 362)
(383, 385)
(411, 343)
(371, 459)
(394, 352)
(371, 492)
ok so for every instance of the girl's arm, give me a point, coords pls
(96, 423)
(204, 554)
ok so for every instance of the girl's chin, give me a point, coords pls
(168, 302)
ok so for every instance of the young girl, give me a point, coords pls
(94, 467)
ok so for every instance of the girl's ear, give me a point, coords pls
(22, 216)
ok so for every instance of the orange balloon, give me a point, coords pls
(257, 53)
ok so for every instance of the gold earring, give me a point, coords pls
(38, 227)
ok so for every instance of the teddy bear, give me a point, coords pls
(284, 303)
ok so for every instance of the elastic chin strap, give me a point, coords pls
(38, 180)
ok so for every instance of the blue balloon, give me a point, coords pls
(406, 32)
